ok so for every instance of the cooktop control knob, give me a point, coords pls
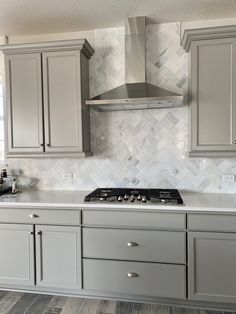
(132, 198)
(126, 197)
(144, 199)
(139, 197)
(120, 198)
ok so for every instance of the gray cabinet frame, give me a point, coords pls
(212, 266)
(212, 75)
(200, 114)
(23, 114)
(53, 268)
(44, 148)
(17, 254)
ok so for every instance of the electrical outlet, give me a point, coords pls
(68, 176)
(228, 178)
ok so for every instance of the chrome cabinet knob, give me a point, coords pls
(39, 232)
(132, 275)
(132, 244)
(33, 216)
(31, 232)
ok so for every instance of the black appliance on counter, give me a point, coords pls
(138, 196)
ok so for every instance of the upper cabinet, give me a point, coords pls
(46, 87)
(212, 74)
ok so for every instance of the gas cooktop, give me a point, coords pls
(141, 196)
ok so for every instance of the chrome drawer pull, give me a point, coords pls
(33, 216)
(132, 244)
(132, 275)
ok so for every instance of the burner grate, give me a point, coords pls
(161, 196)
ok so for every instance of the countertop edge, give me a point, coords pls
(109, 207)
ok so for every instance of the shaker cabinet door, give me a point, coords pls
(24, 103)
(17, 254)
(212, 267)
(62, 101)
(213, 96)
(58, 257)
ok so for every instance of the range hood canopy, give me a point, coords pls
(136, 93)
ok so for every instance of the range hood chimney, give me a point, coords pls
(136, 93)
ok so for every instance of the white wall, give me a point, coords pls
(89, 35)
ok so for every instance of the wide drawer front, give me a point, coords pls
(135, 245)
(148, 279)
(135, 219)
(41, 216)
(212, 222)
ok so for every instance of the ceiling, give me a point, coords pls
(25, 17)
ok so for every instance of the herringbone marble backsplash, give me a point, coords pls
(135, 148)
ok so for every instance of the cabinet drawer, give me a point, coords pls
(212, 222)
(40, 216)
(135, 245)
(159, 280)
(135, 219)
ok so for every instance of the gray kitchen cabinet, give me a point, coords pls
(17, 254)
(46, 87)
(135, 245)
(62, 101)
(212, 96)
(133, 278)
(212, 266)
(58, 256)
(24, 103)
(137, 253)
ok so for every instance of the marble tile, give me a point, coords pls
(135, 148)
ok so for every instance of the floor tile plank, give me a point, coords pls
(159, 309)
(11, 297)
(124, 307)
(89, 306)
(52, 310)
(23, 303)
(39, 305)
(72, 306)
(106, 307)
(29, 303)
(141, 308)
(58, 301)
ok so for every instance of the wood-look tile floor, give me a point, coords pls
(29, 303)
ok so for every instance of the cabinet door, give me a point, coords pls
(58, 256)
(213, 95)
(212, 266)
(62, 101)
(17, 254)
(24, 103)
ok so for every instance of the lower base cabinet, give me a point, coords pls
(41, 255)
(212, 266)
(147, 279)
(17, 254)
(121, 261)
(58, 257)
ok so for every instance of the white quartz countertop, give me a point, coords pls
(75, 199)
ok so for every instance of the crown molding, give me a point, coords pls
(63, 45)
(190, 35)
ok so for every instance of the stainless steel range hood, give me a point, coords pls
(136, 93)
